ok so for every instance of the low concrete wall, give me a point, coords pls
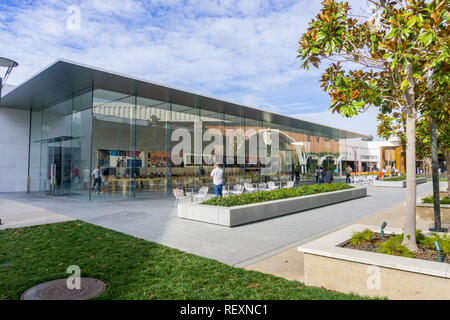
(238, 215)
(328, 265)
(425, 211)
(396, 184)
(373, 281)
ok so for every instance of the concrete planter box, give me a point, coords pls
(328, 265)
(396, 184)
(425, 211)
(238, 215)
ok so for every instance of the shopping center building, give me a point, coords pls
(146, 138)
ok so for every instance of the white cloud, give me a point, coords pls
(243, 51)
(116, 7)
(253, 50)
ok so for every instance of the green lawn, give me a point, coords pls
(131, 267)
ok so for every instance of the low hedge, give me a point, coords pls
(399, 178)
(263, 196)
(445, 200)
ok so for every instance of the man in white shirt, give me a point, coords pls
(217, 175)
(97, 179)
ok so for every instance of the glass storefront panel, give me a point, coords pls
(278, 145)
(146, 147)
(81, 145)
(152, 155)
(113, 149)
(213, 144)
(185, 148)
(253, 130)
(55, 172)
(234, 140)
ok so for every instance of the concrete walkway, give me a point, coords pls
(289, 263)
(155, 220)
(17, 215)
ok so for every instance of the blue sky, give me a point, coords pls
(239, 50)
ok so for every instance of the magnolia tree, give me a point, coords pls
(382, 60)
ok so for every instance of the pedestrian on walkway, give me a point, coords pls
(97, 179)
(328, 178)
(348, 172)
(217, 175)
(320, 175)
(86, 179)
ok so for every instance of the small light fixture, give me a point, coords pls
(9, 65)
(382, 229)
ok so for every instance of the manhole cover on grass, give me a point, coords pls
(57, 290)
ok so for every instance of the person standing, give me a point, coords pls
(348, 172)
(217, 175)
(328, 176)
(75, 177)
(86, 179)
(320, 175)
(97, 179)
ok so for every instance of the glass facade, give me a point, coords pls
(146, 147)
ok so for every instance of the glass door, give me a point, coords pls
(65, 147)
(56, 167)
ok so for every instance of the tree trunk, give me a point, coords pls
(409, 238)
(447, 164)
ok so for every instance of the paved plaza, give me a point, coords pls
(15, 214)
(155, 220)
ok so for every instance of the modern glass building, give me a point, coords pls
(148, 138)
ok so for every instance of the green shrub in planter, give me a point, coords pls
(361, 237)
(393, 246)
(444, 242)
(263, 196)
